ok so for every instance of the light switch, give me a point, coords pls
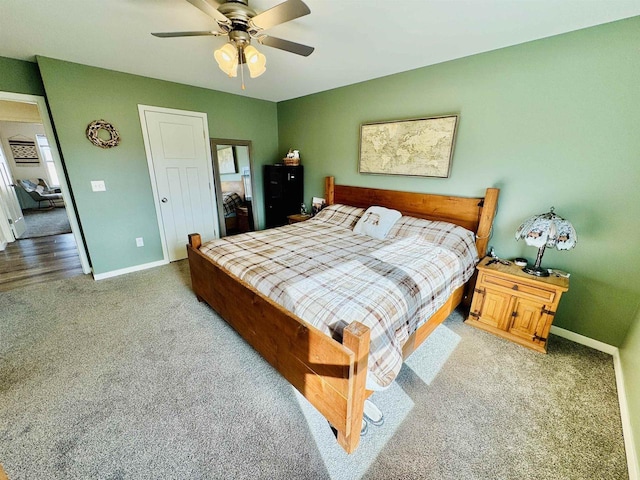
(98, 186)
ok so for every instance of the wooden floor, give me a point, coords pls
(36, 260)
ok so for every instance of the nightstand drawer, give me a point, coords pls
(523, 289)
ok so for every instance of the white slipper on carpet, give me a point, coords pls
(373, 414)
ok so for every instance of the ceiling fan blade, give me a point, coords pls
(210, 7)
(289, 10)
(286, 45)
(184, 34)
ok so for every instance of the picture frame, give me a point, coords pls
(227, 161)
(24, 152)
(420, 147)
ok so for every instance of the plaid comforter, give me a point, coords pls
(328, 276)
(230, 200)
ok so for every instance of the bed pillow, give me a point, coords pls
(341, 215)
(376, 222)
(448, 235)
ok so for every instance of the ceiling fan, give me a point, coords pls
(240, 23)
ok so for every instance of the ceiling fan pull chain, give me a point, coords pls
(240, 53)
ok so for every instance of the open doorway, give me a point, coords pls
(40, 237)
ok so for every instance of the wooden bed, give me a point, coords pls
(330, 374)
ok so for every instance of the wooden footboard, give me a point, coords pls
(329, 374)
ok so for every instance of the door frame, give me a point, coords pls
(142, 110)
(7, 224)
(57, 162)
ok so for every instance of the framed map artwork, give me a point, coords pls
(421, 147)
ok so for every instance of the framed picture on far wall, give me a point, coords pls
(227, 162)
(420, 147)
(24, 152)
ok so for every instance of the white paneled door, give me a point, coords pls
(181, 165)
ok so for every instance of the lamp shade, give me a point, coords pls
(546, 230)
(256, 62)
(227, 58)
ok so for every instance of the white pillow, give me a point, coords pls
(376, 222)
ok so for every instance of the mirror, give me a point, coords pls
(233, 176)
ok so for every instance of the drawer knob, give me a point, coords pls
(515, 287)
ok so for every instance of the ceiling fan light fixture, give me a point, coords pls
(256, 61)
(233, 71)
(251, 54)
(256, 71)
(227, 58)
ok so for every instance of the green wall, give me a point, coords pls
(630, 361)
(17, 76)
(111, 220)
(551, 123)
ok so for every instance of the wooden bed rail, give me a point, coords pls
(331, 375)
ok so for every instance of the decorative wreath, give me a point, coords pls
(94, 128)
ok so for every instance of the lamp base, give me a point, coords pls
(537, 271)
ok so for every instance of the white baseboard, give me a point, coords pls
(582, 340)
(629, 443)
(3, 245)
(124, 271)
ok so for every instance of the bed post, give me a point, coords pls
(195, 241)
(356, 338)
(483, 234)
(329, 185)
(489, 206)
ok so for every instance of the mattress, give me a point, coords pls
(329, 276)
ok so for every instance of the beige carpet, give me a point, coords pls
(132, 378)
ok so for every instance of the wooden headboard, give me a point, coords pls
(473, 213)
(236, 186)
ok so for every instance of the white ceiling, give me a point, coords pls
(355, 40)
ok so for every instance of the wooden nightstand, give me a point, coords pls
(298, 217)
(515, 305)
(242, 214)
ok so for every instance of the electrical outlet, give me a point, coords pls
(98, 186)
(139, 242)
